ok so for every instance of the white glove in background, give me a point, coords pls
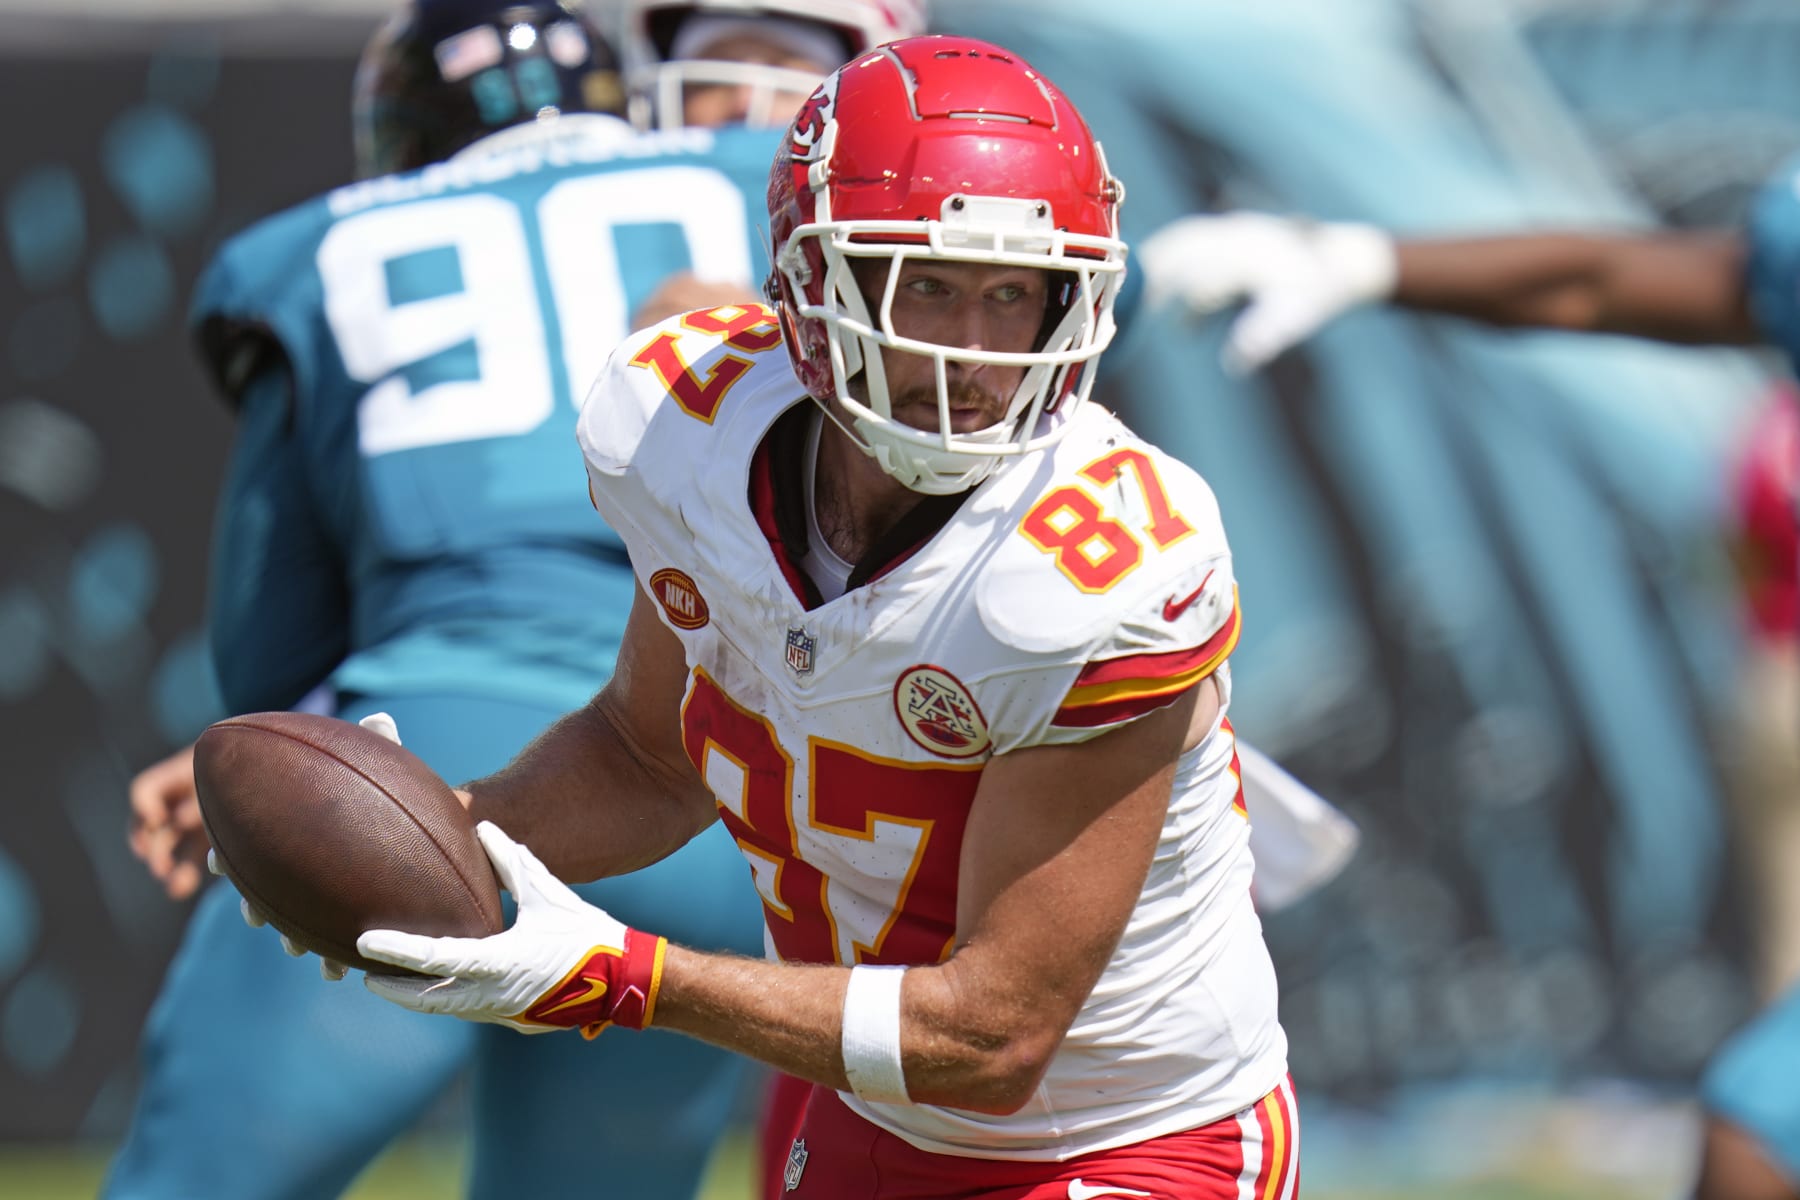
(1292, 276)
(496, 978)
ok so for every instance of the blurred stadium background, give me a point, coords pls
(1492, 606)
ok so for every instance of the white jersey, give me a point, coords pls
(1075, 590)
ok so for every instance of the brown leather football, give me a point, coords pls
(331, 830)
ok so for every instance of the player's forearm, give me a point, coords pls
(1684, 288)
(788, 1016)
(587, 803)
(963, 1045)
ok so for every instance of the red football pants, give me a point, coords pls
(1251, 1155)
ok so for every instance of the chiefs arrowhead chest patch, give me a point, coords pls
(939, 713)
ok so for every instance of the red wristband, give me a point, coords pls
(608, 987)
(640, 977)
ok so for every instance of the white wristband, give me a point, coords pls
(871, 1041)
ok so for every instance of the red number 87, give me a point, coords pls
(1092, 550)
(913, 812)
(751, 327)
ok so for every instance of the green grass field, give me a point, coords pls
(414, 1170)
(421, 1170)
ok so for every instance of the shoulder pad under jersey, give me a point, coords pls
(258, 300)
(689, 378)
(1116, 550)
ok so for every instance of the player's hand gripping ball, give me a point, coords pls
(330, 829)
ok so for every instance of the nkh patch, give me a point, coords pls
(796, 1163)
(939, 713)
(680, 598)
(800, 647)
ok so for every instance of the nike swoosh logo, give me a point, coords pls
(1081, 1191)
(1173, 608)
(596, 988)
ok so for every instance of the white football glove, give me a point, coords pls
(563, 964)
(329, 968)
(1292, 276)
(383, 724)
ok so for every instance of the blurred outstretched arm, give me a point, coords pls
(1293, 277)
(1675, 287)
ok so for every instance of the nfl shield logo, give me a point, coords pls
(800, 656)
(796, 1163)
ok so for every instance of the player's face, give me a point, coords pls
(710, 105)
(969, 306)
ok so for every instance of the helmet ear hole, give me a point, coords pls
(1065, 290)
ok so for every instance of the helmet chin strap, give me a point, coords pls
(904, 470)
(921, 470)
(883, 455)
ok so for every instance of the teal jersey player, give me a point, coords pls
(1772, 260)
(405, 520)
(1747, 1083)
(440, 328)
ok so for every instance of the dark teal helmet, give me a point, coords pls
(443, 73)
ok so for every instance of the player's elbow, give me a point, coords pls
(1008, 1077)
(250, 678)
(990, 1068)
(982, 1030)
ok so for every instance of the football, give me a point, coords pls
(330, 830)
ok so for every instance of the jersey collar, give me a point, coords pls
(778, 502)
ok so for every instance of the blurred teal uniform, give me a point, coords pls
(1773, 269)
(406, 520)
(1750, 1082)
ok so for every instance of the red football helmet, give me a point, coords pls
(956, 150)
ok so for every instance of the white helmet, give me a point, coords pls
(658, 37)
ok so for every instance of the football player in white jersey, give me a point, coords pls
(945, 648)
